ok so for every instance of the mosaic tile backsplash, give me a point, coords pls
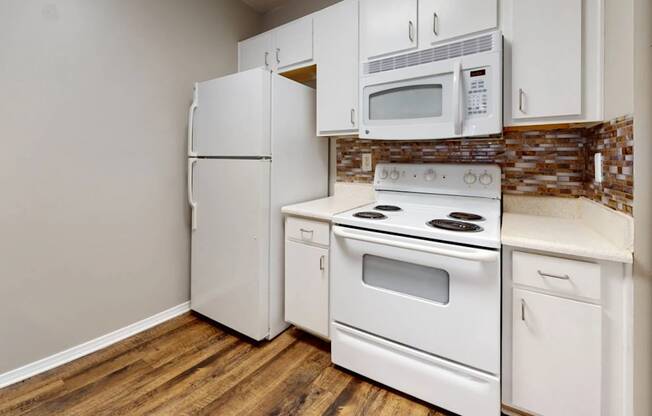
(534, 162)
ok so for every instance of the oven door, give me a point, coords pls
(421, 102)
(442, 299)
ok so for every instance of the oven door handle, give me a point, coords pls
(479, 255)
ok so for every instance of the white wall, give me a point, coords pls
(94, 228)
(293, 9)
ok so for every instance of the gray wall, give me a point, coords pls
(293, 9)
(94, 228)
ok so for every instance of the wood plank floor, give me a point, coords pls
(189, 366)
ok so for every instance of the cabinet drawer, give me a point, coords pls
(301, 229)
(563, 276)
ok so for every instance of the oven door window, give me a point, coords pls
(407, 278)
(407, 102)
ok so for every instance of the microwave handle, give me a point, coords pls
(457, 84)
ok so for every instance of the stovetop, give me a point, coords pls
(421, 216)
(457, 203)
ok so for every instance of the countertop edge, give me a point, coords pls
(307, 214)
(617, 256)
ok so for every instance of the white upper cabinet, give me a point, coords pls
(293, 44)
(255, 52)
(441, 20)
(282, 49)
(553, 61)
(336, 55)
(547, 58)
(387, 27)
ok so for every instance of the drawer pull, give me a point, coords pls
(322, 262)
(523, 310)
(311, 232)
(554, 276)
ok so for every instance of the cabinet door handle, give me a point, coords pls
(554, 276)
(411, 31)
(523, 310)
(278, 59)
(435, 21)
(520, 100)
(322, 262)
(266, 60)
(353, 116)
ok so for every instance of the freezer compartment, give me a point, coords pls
(231, 116)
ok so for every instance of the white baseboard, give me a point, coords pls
(63, 357)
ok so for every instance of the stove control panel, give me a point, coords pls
(463, 179)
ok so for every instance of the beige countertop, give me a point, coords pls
(345, 198)
(577, 227)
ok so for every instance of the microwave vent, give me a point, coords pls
(465, 47)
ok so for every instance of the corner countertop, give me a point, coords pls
(344, 199)
(575, 227)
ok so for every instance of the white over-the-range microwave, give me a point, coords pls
(448, 91)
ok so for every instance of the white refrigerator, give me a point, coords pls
(252, 148)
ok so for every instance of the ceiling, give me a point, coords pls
(263, 6)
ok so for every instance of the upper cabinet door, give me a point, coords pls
(546, 58)
(445, 19)
(255, 52)
(387, 27)
(293, 44)
(336, 55)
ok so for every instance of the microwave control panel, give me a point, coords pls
(476, 83)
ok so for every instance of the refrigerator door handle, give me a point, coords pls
(191, 201)
(191, 119)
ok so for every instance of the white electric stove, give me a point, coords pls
(416, 285)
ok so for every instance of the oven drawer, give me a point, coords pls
(562, 276)
(443, 383)
(301, 229)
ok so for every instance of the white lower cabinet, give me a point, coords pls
(307, 284)
(556, 355)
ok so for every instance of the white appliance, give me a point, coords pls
(416, 285)
(451, 90)
(252, 149)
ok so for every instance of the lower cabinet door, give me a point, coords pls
(306, 287)
(556, 355)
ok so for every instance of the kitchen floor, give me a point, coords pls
(190, 366)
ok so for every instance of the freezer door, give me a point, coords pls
(230, 245)
(232, 115)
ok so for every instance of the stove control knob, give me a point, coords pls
(470, 178)
(429, 175)
(486, 179)
(394, 175)
(383, 174)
